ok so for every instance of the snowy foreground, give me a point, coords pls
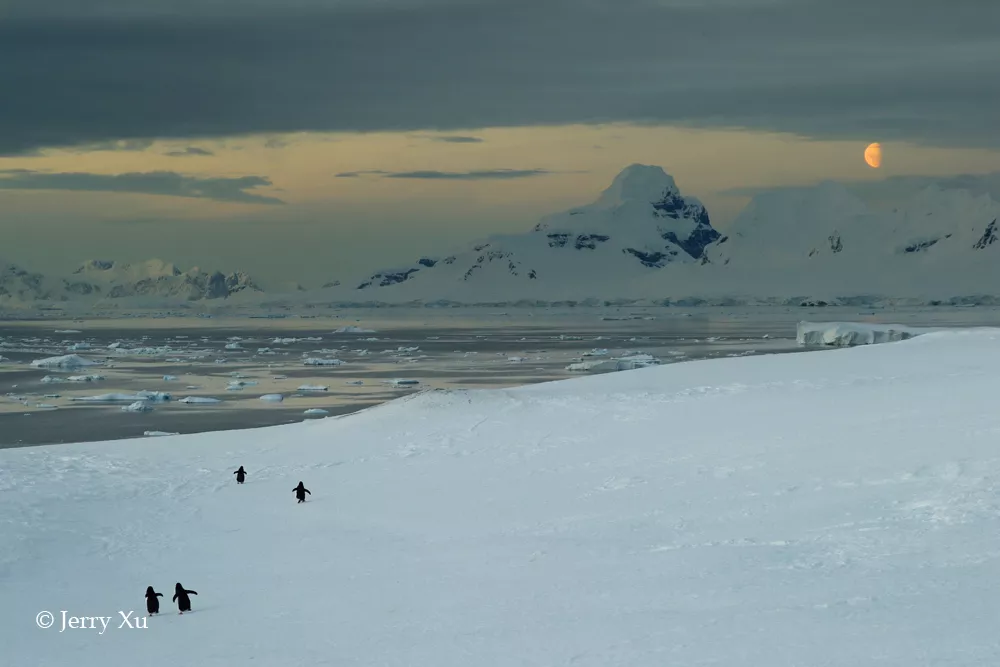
(825, 508)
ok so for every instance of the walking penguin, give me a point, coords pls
(152, 604)
(181, 596)
(241, 475)
(301, 491)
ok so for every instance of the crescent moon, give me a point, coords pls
(873, 155)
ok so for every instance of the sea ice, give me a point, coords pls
(65, 361)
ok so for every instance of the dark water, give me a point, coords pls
(453, 353)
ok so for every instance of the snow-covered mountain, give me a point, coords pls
(155, 278)
(153, 282)
(826, 241)
(642, 240)
(641, 223)
(18, 284)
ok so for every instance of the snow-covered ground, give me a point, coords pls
(833, 508)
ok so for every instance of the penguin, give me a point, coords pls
(181, 596)
(241, 475)
(301, 491)
(152, 604)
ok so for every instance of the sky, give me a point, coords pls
(313, 140)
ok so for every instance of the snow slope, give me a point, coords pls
(834, 508)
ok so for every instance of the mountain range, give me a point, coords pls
(641, 241)
(153, 281)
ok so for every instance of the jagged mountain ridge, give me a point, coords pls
(153, 280)
(641, 222)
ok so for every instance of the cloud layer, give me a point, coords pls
(432, 175)
(86, 71)
(151, 183)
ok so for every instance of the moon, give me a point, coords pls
(873, 155)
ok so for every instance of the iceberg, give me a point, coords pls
(628, 363)
(65, 361)
(138, 406)
(110, 398)
(272, 398)
(199, 400)
(83, 378)
(848, 334)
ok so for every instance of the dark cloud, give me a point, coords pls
(190, 150)
(482, 175)
(356, 174)
(84, 71)
(458, 139)
(430, 175)
(152, 183)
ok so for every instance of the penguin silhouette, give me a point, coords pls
(182, 599)
(301, 491)
(241, 475)
(152, 604)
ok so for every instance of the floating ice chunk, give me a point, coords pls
(67, 331)
(157, 433)
(238, 385)
(272, 398)
(516, 360)
(265, 350)
(234, 346)
(157, 396)
(845, 334)
(110, 398)
(85, 378)
(138, 406)
(78, 346)
(596, 353)
(402, 382)
(46, 406)
(146, 351)
(318, 412)
(169, 378)
(289, 341)
(314, 361)
(65, 361)
(313, 387)
(354, 382)
(196, 400)
(279, 377)
(619, 364)
(353, 329)
(52, 379)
